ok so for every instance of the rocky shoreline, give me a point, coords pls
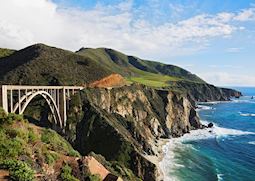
(134, 119)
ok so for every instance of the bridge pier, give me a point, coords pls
(4, 98)
(62, 105)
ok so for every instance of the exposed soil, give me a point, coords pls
(113, 80)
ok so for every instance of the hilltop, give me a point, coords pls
(150, 73)
(44, 65)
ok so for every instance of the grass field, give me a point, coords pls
(153, 80)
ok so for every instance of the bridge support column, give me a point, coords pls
(62, 106)
(4, 98)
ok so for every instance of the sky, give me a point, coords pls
(214, 39)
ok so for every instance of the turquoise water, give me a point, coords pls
(225, 152)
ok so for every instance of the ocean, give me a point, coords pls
(225, 152)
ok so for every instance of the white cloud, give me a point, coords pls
(24, 22)
(228, 79)
(246, 15)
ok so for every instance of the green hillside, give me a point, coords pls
(137, 70)
(43, 65)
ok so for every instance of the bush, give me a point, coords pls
(50, 158)
(31, 135)
(9, 118)
(66, 174)
(93, 178)
(19, 171)
(13, 117)
(73, 153)
(57, 143)
(10, 148)
(3, 115)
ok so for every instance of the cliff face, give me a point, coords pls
(125, 124)
(203, 92)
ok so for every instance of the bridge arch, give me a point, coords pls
(15, 99)
(22, 104)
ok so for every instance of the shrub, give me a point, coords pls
(19, 171)
(66, 174)
(9, 118)
(3, 115)
(54, 140)
(13, 117)
(50, 158)
(74, 153)
(57, 143)
(93, 178)
(32, 137)
(10, 148)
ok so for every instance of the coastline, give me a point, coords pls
(164, 143)
(156, 159)
(216, 132)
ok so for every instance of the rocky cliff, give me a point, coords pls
(203, 92)
(126, 124)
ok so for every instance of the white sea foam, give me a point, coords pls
(211, 103)
(243, 101)
(247, 114)
(204, 107)
(219, 177)
(251, 142)
(169, 163)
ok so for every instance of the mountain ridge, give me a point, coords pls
(41, 64)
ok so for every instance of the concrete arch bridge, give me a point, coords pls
(15, 99)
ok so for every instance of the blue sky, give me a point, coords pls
(212, 38)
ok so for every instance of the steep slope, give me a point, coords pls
(29, 152)
(43, 65)
(138, 70)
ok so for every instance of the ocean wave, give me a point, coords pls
(211, 103)
(251, 142)
(219, 176)
(243, 101)
(247, 114)
(203, 107)
(170, 163)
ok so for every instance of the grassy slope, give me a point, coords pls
(38, 148)
(4, 52)
(150, 73)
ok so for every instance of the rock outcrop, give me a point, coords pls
(203, 92)
(125, 124)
